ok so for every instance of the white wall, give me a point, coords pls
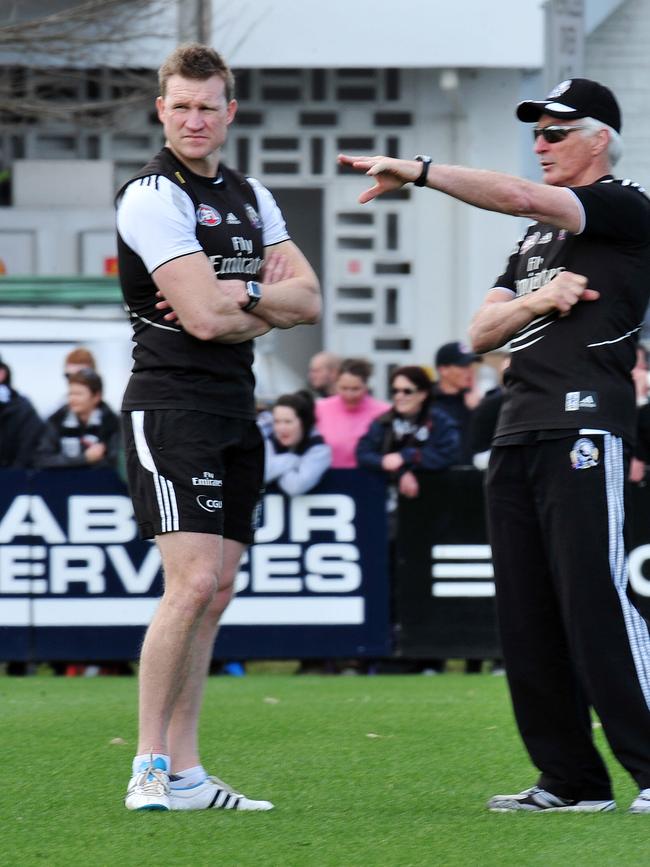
(413, 33)
(617, 54)
(52, 241)
(34, 343)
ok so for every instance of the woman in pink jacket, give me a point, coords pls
(346, 416)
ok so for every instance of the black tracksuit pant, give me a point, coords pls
(571, 638)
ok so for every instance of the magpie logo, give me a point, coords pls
(206, 215)
(584, 454)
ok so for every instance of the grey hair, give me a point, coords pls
(615, 146)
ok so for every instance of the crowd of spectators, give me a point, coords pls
(433, 422)
(82, 432)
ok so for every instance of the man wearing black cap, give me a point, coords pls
(454, 389)
(571, 302)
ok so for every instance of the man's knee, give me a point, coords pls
(195, 590)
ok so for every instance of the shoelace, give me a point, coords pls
(222, 785)
(159, 785)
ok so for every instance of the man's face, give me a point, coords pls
(196, 116)
(569, 162)
(321, 375)
(452, 378)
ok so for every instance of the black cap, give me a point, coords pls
(572, 99)
(456, 353)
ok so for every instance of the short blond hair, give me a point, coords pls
(193, 60)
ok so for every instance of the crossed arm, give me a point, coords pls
(212, 310)
(501, 315)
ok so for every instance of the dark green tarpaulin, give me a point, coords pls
(70, 291)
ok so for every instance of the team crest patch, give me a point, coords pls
(584, 454)
(253, 216)
(206, 215)
(559, 89)
(530, 242)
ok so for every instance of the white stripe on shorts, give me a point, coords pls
(165, 493)
(635, 625)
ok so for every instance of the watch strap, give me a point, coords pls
(426, 162)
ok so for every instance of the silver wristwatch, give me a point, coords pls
(254, 291)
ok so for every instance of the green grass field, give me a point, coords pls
(388, 771)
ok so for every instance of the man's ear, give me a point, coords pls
(231, 111)
(160, 104)
(600, 141)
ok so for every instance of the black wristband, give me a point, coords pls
(426, 162)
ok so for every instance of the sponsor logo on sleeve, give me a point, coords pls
(253, 216)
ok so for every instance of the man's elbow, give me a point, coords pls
(314, 310)
(309, 313)
(476, 339)
(205, 328)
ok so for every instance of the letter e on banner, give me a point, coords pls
(332, 568)
(269, 563)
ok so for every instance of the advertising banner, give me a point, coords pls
(76, 583)
(444, 603)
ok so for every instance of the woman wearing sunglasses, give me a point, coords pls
(413, 435)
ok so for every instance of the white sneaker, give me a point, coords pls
(214, 794)
(149, 788)
(536, 800)
(641, 804)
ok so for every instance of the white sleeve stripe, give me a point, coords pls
(583, 218)
(156, 218)
(199, 249)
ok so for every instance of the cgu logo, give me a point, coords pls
(209, 504)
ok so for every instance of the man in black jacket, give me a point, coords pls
(20, 425)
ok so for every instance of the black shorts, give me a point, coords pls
(193, 471)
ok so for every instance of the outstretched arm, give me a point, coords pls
(492, 191)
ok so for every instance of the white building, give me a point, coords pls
(400, 276)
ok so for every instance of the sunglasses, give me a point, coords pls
(554, 134)
(403, 390)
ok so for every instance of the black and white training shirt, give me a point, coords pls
(573, 372)
(165, 212)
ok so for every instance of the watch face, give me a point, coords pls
(253, 289)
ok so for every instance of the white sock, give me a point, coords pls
(188, 778)
(159, 760)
